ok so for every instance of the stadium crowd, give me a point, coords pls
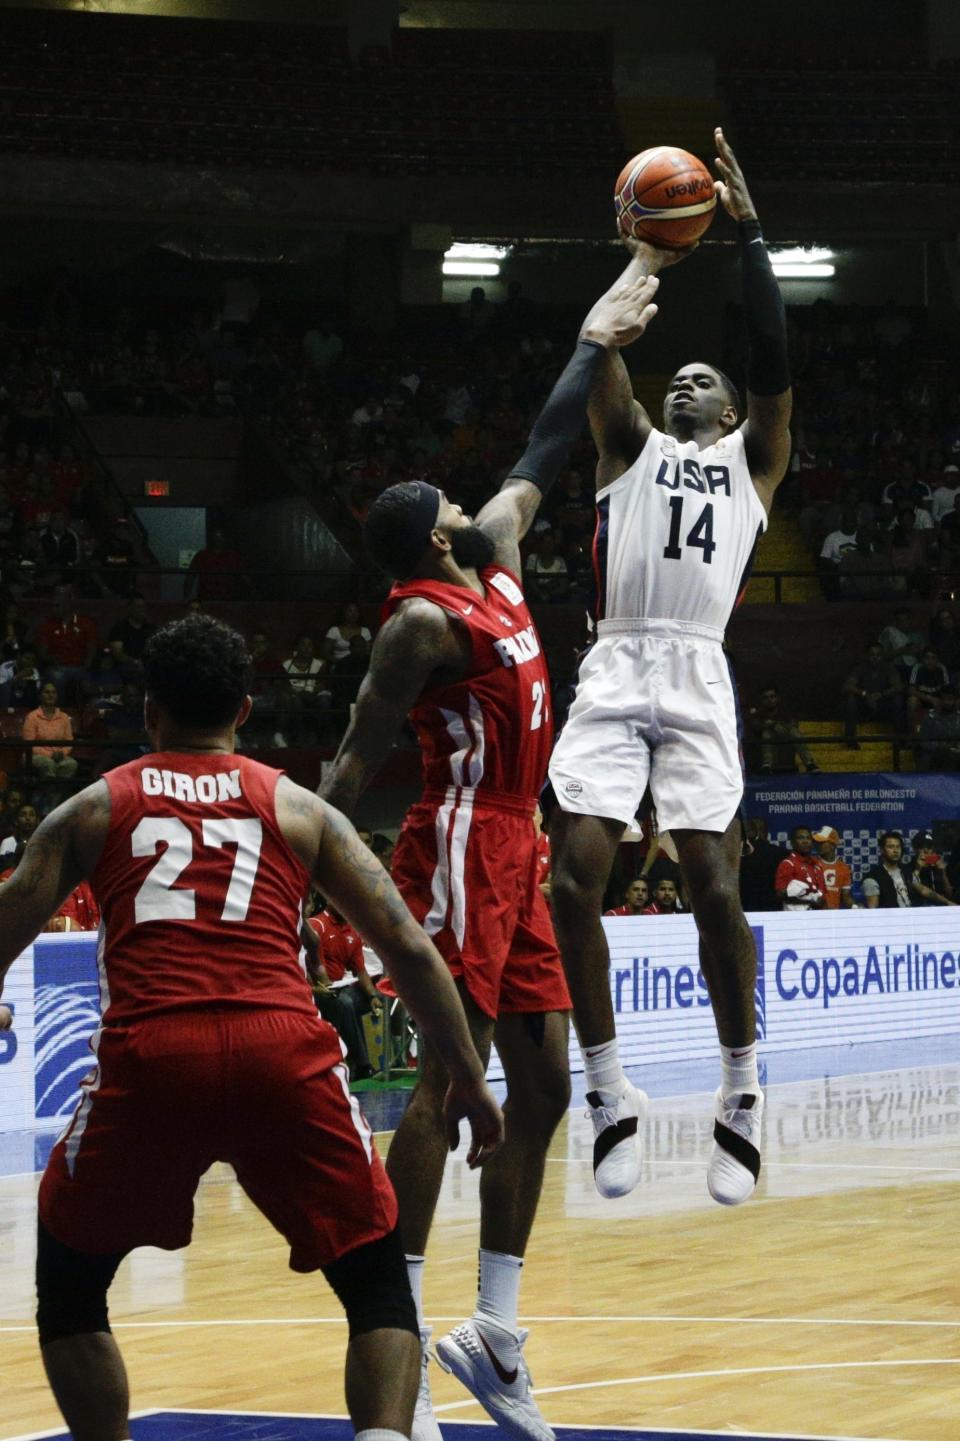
(874, 489)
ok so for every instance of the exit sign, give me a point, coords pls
(156, 487)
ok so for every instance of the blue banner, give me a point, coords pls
(859, 806)
(67, 1014)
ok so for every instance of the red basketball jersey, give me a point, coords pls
(199, 892)
(492, 730)
(341, 948)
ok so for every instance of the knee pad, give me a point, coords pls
(373, 1287)
(71, 1288)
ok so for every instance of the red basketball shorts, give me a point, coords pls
(468, 870)
(265, 1091)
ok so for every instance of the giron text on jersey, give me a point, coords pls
(209, 790)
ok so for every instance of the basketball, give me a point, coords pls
(666, 196)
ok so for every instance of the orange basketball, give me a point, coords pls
(666, 196)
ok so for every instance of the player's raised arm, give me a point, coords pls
(416, 641)
(60, 854)
(618, 317)
(618, 422)
(356, 884)
(766, 431)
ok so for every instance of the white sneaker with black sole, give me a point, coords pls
(617, 1147)
(500, 1382)
(735, 1161)
(425, 1426)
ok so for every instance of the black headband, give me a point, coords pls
(423, 516)
(399, 525)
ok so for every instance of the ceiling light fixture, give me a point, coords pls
(803, 263)
(476, 250)
(484, 269)
(811, 271)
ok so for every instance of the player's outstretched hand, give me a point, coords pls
(473, 1101)
(653, 257)
(623, 313)
(731, 187)
(6, 1018)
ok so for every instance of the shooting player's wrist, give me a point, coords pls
(602, 339)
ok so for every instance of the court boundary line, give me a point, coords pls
(666, 1318)
(449, 1421)
(42, 1435)
(708, 1375)
(454, 1421)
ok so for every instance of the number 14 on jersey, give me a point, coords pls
(700, 534)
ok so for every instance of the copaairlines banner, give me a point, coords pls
(837, 977)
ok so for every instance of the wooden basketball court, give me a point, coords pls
(826, 1307)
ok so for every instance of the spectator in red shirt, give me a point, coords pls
(66, 643)
(117, 557)
(79, 912)
(344, 1003)
(799, 882)
(217, 569)
(636, 899)
(665, 901)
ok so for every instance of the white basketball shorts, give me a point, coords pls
(654, 703)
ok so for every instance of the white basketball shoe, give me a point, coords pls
(425, 1427)
(735, 1162)
(617, 1148)
(499, 1379)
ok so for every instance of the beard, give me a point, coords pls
(471, 547)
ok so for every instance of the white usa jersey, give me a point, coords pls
(677, 532)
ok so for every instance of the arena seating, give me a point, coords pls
(855, 123)
(178, 91)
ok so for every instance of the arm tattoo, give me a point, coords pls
(381, 895)
(61, 852)
(416, 641)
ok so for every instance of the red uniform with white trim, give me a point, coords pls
(341, 948)
(466, 859)
(807, 872)
(210, 1047)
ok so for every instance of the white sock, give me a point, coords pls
(379, 1433)
(415, 1272)
(738, 1065)
(498, 1289)
(602, 1068)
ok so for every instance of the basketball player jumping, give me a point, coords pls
(680, 512)
(210, 1047)
(460, 653)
